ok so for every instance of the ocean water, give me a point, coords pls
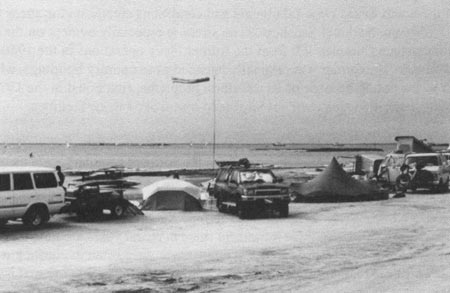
(168, 157)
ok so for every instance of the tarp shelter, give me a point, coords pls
(335, 185)
(171, 194)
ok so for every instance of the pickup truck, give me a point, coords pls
(248, 191)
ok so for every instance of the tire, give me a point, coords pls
(283, 210)
(243, 212)
(35, 217)
(220, 207)
(118, 210)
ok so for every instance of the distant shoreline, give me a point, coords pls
(335, 149)
(269, 145)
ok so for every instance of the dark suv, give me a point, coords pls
(249, 191)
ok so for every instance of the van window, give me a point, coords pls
(22, 181)
(45, 180)
(5, 183)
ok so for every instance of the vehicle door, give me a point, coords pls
(220, 182)
(23, 193)
(6, 196)
(232, 192)
(49, 190)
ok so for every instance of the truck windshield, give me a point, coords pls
(422, 161)
(256, 176)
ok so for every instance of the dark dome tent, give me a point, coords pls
(171, 194)
(335, 185)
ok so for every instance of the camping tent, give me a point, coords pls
(335, 185)
(171, 194)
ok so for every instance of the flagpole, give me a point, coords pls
(199, 80)
(214, 121)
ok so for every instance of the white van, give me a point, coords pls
(32, 194)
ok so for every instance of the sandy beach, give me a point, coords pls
(148, 90)
(385, 246)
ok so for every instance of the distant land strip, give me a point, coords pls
(322, 149)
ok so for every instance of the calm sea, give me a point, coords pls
(165, 157)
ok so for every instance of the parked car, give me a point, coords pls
(32, 194)
(248, 191)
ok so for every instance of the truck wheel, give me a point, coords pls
(35, 217)
(220, 206)
(284, 210)
(443, 186)
(242, 212)
(118, 210)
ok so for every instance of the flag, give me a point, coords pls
(189, 81)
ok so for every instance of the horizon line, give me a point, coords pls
(187, 143)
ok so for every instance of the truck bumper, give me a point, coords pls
(266, 197)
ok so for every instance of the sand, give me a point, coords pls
(385, 246)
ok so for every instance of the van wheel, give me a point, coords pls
(35, 217)
(118, 210)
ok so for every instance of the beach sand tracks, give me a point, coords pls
(364, 248)
(154, 281)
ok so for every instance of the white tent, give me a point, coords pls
(172, 194)
(171, 185)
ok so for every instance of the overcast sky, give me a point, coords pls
(288, 71)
